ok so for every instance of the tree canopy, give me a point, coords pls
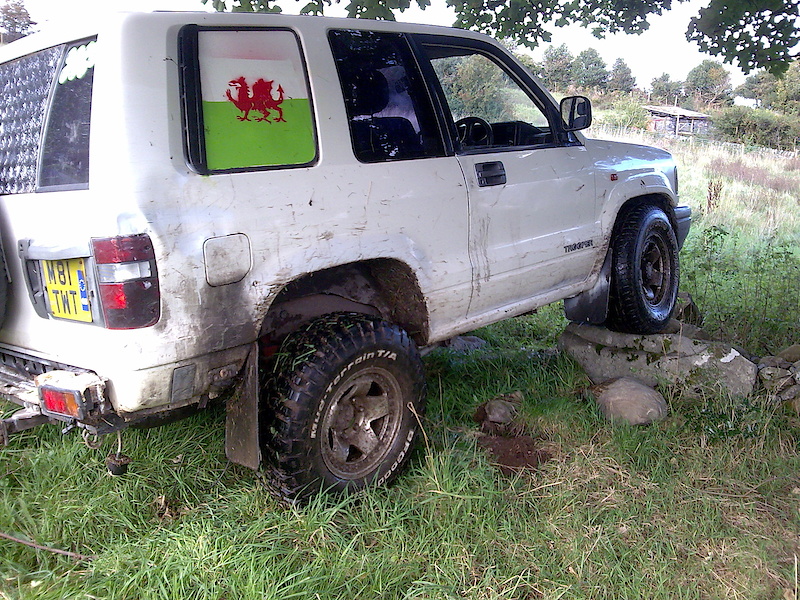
(751, 33)
(710, 83)
(556, 67)
(781, 95)
(665, 90)
(621, 78)
(589, 70)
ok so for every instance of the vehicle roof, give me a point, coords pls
(60, 34)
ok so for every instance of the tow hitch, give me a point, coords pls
(25, 418)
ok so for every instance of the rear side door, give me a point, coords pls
(533, 214)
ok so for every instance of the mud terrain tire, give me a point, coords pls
(644, 271)
(342, 409)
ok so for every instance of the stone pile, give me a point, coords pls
(780, 374)
(683, 355)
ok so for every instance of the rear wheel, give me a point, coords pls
(343, 406)
(644, 273)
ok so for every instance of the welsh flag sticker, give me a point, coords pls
(256, 108)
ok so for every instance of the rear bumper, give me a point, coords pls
(22, 378)
(683, 222)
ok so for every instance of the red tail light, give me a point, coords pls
(127, 281)
(63, 402)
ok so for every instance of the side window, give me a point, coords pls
(488, 108)
(247, 104)
(65, 149)
(25, 87)
(388, 108)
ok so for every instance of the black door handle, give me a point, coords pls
(490, 173)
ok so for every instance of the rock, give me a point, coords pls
(790, 394)
(791, 354)
(629, 400)
(795, 368)
(660, 358)
(497, 416)
(500, 411)
(686, 311)
(686, 330)
(773, 361)
(775, 379)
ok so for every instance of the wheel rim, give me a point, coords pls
(656, 270)
(361, 425)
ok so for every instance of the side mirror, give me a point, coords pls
(576, 112)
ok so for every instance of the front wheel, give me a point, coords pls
(343, 406)
(644, 271)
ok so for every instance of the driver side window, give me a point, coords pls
(488, 107)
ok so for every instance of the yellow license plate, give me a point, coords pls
(67, 293)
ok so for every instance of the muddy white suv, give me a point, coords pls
(295, 207)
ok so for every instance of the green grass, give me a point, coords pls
(703, 505)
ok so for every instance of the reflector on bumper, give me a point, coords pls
(67, 394)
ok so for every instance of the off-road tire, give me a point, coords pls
(342, 406)
(644, 271)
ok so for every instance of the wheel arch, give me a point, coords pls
(383, 287)
(591, 305)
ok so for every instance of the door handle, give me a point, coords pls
(490, 173)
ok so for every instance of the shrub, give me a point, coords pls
(744, 125)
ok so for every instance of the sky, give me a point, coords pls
(662, 49)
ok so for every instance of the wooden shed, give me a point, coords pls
(677, 121)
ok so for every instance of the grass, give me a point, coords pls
(702, 505)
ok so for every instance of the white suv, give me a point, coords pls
(294, 207)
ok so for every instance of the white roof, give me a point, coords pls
(676, 111)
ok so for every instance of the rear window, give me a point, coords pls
(25, 84)
(247, 103)
(65, 150)
(41, 149)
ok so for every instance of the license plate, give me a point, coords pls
(65, 282)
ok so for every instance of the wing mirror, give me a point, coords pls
(576, 112)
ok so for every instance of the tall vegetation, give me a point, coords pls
(758, 127)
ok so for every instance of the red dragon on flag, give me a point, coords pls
(260, 100)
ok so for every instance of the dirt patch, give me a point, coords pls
(514, 454)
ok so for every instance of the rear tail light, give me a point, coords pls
(70, 394)
(62, 402)
(127, 281)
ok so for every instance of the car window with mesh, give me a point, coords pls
(25, 85)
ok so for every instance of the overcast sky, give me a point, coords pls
(662, 49)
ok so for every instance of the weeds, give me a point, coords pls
(749, 295)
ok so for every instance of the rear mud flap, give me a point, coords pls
(241, 422)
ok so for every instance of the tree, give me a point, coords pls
(751, 33)
(589, 70)
(710, 84)
(666, 91)
(787, 92)
(530, 64)
(621, 78)
(15, 22)
(761, 86)
(556, 68)
(781, 94)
